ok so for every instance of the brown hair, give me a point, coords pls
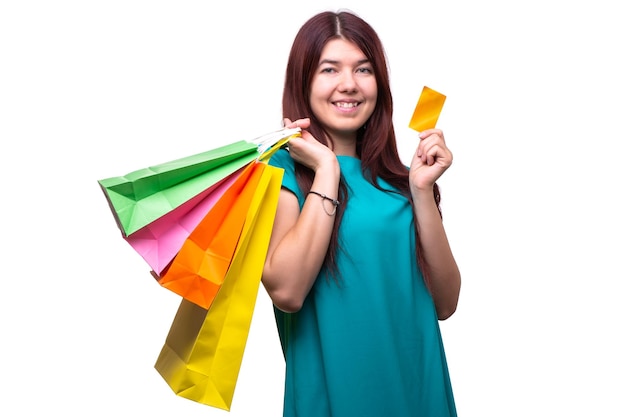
(376, 141)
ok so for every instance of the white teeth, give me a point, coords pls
(346, 105)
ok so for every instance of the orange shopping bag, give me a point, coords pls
(198, 270)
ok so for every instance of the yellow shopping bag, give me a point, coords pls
(204, 349)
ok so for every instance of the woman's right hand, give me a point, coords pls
(306, 149)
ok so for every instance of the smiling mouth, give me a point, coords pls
(344, 105)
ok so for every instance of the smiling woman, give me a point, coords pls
(533, 202)
(357, 299)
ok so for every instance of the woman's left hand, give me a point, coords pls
(431, 159)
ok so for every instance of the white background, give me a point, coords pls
(533, 203)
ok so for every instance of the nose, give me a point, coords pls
(347, 83)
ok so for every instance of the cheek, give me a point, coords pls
(371, 90)
(320, 90)
(320, 94)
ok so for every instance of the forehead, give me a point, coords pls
(340, 50)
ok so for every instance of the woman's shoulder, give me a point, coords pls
(282, 159)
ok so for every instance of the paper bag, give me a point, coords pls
(143, 196)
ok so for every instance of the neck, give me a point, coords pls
(344, 145)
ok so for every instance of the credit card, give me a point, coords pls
(427, 110)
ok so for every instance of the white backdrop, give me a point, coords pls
(533, 203)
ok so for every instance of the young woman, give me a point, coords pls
(359, 267)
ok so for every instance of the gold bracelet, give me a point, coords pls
(334, 202)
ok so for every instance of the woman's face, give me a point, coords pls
(343, 90)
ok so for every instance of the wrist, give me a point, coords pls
(423, 194)
(329, 166)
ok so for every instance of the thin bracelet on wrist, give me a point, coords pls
(334, 202)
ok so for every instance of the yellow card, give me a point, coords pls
(427, 110)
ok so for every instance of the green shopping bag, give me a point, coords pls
(140, 197)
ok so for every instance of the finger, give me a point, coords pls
(432, 155)
(439, 154)
(429, 141)
(429, 132)
(301, 123)
(424, 145)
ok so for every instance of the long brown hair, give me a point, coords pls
(376, 140)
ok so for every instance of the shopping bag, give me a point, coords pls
(198, 269)
(203, 351)
(140, 197)
(143, 196)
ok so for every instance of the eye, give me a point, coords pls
(365, 70)
(327, 70)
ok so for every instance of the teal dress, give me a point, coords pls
(369, 344)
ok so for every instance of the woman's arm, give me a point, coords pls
(300, 239)
(432, 158)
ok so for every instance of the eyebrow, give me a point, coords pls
(335, 62)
